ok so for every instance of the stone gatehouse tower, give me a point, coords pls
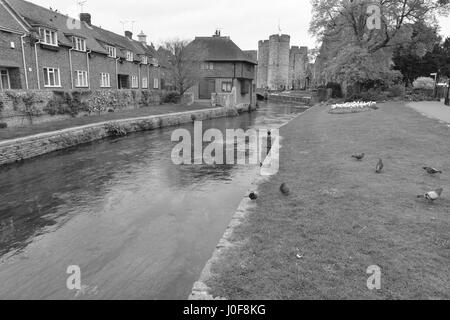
(279, 66)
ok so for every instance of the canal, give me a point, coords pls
(138, 226)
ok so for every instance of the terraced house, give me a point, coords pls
(46, 50)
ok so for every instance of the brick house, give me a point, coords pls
(225, 67)
(46, 50)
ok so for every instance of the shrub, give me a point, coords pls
(424, 83)
(397, 90)
(171, 97)
(337, 89)
(3, 125)
(115, 130)
(369, 95)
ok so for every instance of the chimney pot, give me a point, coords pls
(86, 17)
(142, 38)
(129, 34)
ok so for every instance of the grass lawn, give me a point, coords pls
(343, 217)
(17, 132)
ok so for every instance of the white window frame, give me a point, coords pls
(53, 35)
(144, 60)
(112, 51)
(54, 72)
(79, 44)
(130, 56)
(155, 83)
(7, 77)
(105, 80)
(207, 66)
(144, 83)
(134, 82)
(84, 77)
(227, 84)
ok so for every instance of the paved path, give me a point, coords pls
(437, 110)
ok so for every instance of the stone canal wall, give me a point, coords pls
(16, 150)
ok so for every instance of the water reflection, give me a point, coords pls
(137, 225)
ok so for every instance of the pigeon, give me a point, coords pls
(431, 170)
(253, 196)
(380, 166)
(285, 189)
(359, 157)
(432, 195)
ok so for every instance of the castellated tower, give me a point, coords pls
(278, 66)
(298, 67)
(281, 67)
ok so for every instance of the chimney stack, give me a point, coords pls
(129, 35)
(85, 17)
(217, 34)
(142, 38)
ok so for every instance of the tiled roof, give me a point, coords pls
(218, 48)
(7, 20)
(96, 38)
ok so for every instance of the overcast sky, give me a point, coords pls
(245, 21)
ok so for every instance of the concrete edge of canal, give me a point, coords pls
(16, 150)
(200, 290)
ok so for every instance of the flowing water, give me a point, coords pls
(138, 226)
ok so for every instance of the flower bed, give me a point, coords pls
(353, 107)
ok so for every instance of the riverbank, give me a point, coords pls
(28, 130)
(341, 217)
(15, 150)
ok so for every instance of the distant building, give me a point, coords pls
(280, 66)
(225, 67)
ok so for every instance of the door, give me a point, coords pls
(205, 88)
(5, 84)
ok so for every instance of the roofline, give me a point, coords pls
(20, 20)
(10, 30)
(233, 60)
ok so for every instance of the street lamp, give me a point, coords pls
(435, 84)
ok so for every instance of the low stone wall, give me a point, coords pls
(290, 99)
(32, 146)
(20, 107)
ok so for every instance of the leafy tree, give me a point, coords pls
(333, 18)
(357, 55)
(412, 65)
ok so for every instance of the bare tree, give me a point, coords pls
(182, 63)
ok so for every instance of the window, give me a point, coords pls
(82, 79)
(4, 80)
(227, 86)
(52, 77)
(134, 82)
(155, 83)
(130, 56)
(145, 83)
(112, 53)
(49, 37)
(79, 44)
(207, 66)
(144, 59)
(105, 80)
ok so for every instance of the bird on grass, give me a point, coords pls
(284, 189)
(432, 195)
(431, 170)
(253, 196)
(380, 166)
(359, 157)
